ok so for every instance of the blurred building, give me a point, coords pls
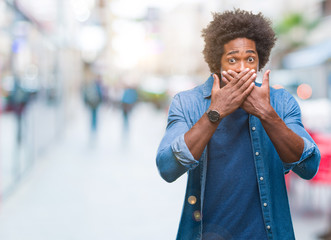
(315, 53)
(152, 45)
(45, 45)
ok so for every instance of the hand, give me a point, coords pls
(230, 97)
(258, 101)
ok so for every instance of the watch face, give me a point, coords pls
(214, 116)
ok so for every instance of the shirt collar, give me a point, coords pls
(207, 86)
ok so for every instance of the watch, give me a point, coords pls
(213, 115)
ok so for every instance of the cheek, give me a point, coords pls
(226, 66)
(253, 65)
(256, 67)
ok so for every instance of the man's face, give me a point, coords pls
(239, 54)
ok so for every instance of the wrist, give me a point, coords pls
(213, 115)
(268, 114)
(218, 109)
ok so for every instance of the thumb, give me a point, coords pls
(265, 81)
(216, 81)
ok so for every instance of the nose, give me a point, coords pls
(241, 66)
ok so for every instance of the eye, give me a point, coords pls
(232, 60)
(251, 59)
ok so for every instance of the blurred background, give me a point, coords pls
(85, 89)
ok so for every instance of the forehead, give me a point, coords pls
(239, 44)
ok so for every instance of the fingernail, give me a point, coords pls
(252, 70)
(224, 72)
(247, 69)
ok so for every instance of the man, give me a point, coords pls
(236, 139)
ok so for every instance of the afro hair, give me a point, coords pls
(230, 25)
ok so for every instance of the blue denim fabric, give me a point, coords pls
(174, 159)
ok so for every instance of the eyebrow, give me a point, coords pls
(234, 52)
(251, 51)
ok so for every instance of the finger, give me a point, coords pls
(226, 75)
(245, 76)
(265, 81)
(225, 80)
(249, 90)
(251, 79)
(239, 76)
(232, 73)
(216, 81)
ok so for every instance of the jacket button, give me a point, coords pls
(253, 128)
(192, 200)
(268, 227)
(197, 215)
(257, 153)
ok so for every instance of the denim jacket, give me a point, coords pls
(174, 159)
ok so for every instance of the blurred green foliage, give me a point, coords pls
(160, 100)
(294, 29)
(293, 20)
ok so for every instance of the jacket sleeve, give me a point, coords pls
(173, 156)
(308, 163)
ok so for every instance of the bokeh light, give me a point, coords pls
(304, 91)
